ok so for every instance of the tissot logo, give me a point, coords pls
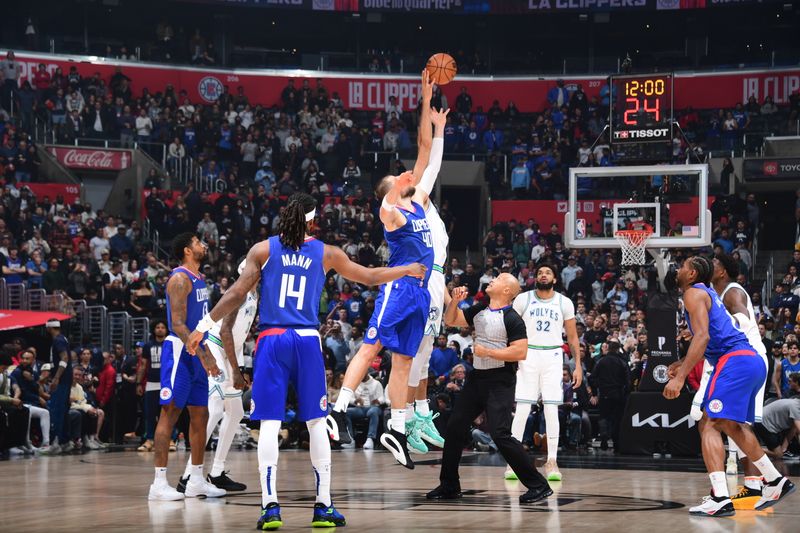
(660, 420)
(655, 133)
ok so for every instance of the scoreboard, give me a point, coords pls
(641, 108)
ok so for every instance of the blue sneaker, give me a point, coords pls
(427, 430)
(414, 436)
(327, 516)
(270, 517)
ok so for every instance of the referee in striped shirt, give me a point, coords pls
(500, 341)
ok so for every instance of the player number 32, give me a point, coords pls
(288, 290)
(542, 325)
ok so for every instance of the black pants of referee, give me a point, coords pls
(492, 391)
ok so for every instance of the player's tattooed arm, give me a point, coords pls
(178, 288)
(337, 260)
(226, 336)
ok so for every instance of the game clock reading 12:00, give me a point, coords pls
(641, 109)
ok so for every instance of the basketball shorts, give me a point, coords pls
(221, 385)
(283, 356)
(540, 373)
(436, 287)
(708, 370)
(184, 380)
(398, 321)
(734, 385)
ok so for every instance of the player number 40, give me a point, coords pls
(288, 290)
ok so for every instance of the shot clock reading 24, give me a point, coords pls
(641, 109)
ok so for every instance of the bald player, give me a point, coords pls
(501, 340)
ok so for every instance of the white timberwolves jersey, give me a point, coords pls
(752, 333)
(544, 319)
(241, 326)
(438, 234)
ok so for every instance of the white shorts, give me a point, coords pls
(540, 373)
(697, 401)
(221, 385)
(436, 286)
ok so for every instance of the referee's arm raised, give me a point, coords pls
(453, 316)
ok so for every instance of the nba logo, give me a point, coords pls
(580, 228)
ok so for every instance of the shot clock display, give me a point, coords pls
(641, 108)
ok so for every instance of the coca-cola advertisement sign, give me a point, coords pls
(91, 159)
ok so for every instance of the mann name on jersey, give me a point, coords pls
(297, 260)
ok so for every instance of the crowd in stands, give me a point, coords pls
(259, 155)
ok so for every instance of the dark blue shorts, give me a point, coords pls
(284, 355)
(734, 385)
(184, 380)
(401, 312)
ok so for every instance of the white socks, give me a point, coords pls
(344, 399)
(767, 469)
(719, 484)
(399, 420)
(752, 482)
(161, 475)
(234, 411)
(196, 472)
(422, 407)
(553, 430)
(268, 460)
(319, 448)
(520, 418)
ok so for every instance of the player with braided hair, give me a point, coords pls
(730, 398)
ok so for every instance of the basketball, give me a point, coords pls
(442, 68)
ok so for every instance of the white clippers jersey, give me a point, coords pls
(438, 234)
(752, 333)
(544, 319)
(241, 326)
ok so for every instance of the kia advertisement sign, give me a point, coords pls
(702, 90)
(91, 159)
(773, 168)
(652, 422)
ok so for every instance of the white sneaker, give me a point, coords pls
(369, 444)
(349, 446)
(163, 492)
(68, 447)
(510, 475)
(771, 493)
(551, 470)
(731, 466)
(50, 449)
(201, 487)
(712, 506)
(89, 444)
(16, 450)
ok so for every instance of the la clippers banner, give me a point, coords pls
(547, 212)
(91, 159)
(773, 168)
(699, 90)
(651, 422)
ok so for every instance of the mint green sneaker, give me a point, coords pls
(413, 436)
(427, 430)
(509, 475)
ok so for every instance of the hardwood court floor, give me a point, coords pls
(97, 492)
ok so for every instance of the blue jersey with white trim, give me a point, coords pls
(412, 242)
(724, 335)
(196, 301)
(291, 284)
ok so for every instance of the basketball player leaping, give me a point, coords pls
(184, 380)
(738, 304)
(730, 397)
(546, 314)
(226, 344)
(291, 267)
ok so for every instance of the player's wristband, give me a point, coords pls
(386, 205)
(62, 364)
(205, 324)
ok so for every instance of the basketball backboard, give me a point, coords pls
(673, 199)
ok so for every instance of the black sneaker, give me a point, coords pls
(222, 481)
(182, 484)
(395, 442)
(534, 495)
(443, 493)
(337, 427)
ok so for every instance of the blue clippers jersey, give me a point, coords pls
(196, 304)
(291, 284)
(724, 335)
(412, 242)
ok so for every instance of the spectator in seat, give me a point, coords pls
(569, 412)
(367, 403)
(121, 243)
(443, 358)
(558, 95)
(14, 430)
(92, 418)
(27, 379)
(780, 423)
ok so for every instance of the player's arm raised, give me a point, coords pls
(337, 260)
(424, 131)
(453, 316)
(233, 297)
(425, 184)
(226, 336)
(697, 304)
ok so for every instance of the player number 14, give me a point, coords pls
(288, 290)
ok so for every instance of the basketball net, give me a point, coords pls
(633, 242)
